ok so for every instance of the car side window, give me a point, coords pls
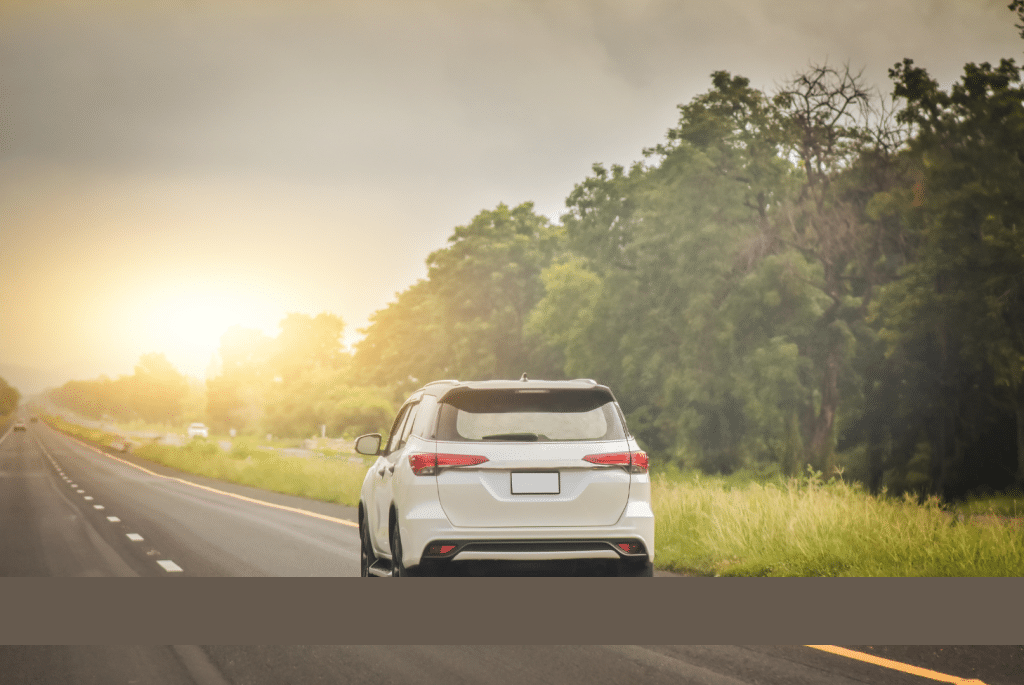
(396, 429)
(407, 426)
(425, 417)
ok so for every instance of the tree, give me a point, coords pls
(467, 318)
(306, 343)
(843, 141)
(669, 243)
(237, 395)
(960, 303)
(157, 391)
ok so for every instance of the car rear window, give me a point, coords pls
(529, 415)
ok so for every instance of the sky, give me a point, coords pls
(174, 167)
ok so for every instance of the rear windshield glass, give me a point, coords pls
(529, 416)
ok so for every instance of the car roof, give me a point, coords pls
(446, 386)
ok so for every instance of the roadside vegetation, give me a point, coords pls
(808, 526)
(328, 477)
(743, 525)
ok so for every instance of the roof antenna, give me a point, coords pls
(524, 378)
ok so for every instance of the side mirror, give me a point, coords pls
(368, 444)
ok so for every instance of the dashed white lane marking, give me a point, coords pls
(78, 491)
(896, 665)
(88, 498)
(134, 537)
(98, 506)
(169, 566)
(113, 519)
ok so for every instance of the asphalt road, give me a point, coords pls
(498, 665)
(69, 511)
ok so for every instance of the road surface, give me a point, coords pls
(504, 665)
(70, 511)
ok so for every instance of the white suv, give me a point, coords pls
(506, 471)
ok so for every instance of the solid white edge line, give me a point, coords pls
(896, 665)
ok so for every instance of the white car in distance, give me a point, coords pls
(197, 430)
(528, 474)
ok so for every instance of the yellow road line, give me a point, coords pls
(896, 665)
(282, 507)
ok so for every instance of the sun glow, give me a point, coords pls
(186, 320)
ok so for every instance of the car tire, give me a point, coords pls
(398, 567)
(631, 569)
(366, 555)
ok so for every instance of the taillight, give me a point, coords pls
(439, 549)
(638, 462)
(427, 464)
(630, 547)
(423, 464)
(613, 459)
(635, 462)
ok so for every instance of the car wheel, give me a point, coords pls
(632, 569)
(398, 567)
(366, 555)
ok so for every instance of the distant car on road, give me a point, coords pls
(522, 472)
(198, 430)
(19, 426)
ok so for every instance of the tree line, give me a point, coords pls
(293, 385)
(817, 276)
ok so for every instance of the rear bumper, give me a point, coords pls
(419, 529)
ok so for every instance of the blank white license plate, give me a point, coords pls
(535, 484)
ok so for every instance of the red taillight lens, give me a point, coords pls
(636, 462)
(438, 550)
(630, 547)
(423, 464)
(613, 459)
(459, 460)
(427, 464)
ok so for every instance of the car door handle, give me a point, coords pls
(380, 471)
(391, 468)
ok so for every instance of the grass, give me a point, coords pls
(994, 505)
(743, 525)
(809, 527)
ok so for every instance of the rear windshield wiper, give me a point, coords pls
(525, 437)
